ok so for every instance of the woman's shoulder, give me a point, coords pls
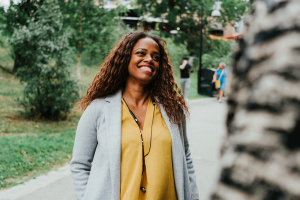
(99, 102)
(96, 106)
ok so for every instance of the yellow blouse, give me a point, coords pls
(158, 175)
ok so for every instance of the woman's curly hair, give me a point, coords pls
(114, 72)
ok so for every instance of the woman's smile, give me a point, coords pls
(147, 68)
(144, 62)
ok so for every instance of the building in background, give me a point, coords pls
(132, 19)
(229, 31)
(146, 22)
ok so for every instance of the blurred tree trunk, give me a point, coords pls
(90, 29)
(16, 62)
(79, 55)
(78, 72)
(261, 155)
(91, 59)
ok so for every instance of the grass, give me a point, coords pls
(30, 147)
(25, 156)
(193, 91)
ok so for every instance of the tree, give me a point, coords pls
(260, 158)
(185, 15)
(2, 26)
(44, 51)
(219, 51)
(19, 15)
(2, 18)
(90, 25)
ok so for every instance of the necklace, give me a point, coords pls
(143, 189)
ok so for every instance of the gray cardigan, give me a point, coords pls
(95, 165)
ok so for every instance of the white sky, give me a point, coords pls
(6, 2)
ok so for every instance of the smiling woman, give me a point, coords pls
(144, 63)
(133, 128)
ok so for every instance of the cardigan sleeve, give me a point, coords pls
(83, 150)
(190, 165)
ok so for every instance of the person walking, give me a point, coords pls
(185, 70)
(131, 141)
(220, 75)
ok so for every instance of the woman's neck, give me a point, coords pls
(136, 95)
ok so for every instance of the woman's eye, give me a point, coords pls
(140, 53)
(157, 58)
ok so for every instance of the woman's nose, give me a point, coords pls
(148, 58)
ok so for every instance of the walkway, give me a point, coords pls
(205, 131)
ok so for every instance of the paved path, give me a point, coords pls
(205, 131)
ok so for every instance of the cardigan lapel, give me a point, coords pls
(113, 120)
(177, 154)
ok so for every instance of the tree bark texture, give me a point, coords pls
(261, 154)
(17, 63)
(78, 73)
(79, 55)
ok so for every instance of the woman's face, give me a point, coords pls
(222, 67)
(144, 63)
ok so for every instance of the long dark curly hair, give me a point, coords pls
(114, 72)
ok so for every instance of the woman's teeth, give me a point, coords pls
(147, 69)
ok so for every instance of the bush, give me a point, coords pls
(44, 49)
(220, 51)
(107, 38)
(176, 52)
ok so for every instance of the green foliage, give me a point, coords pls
(19, 14)
(44, 50)
(97, 52)
(232, 10)
(2, 18)
(176, 52)
(2, 41)
(219, 51)
(91, 26)
(6, 60)
(186, 14)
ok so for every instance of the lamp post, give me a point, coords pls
(215, 13)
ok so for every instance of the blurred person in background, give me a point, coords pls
(220, 75)
(131, 141)
(185, 70)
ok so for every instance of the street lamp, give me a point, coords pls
(215, 13)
